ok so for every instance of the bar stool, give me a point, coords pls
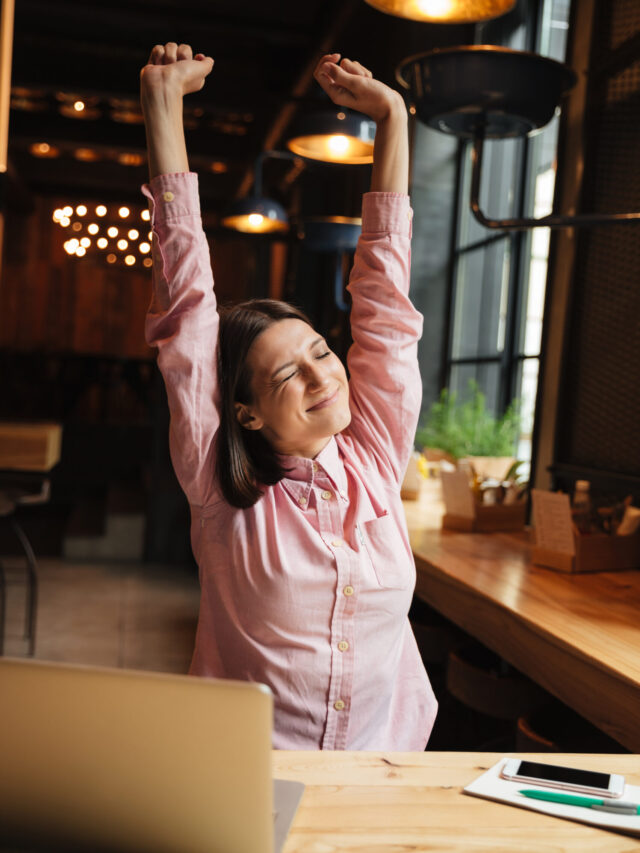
(480, 679)
(558, 728)
(10, 499)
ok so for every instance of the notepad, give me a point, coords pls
(492, 786)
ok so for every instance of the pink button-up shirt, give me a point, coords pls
(308, 590)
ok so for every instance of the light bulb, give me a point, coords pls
(101, 210)
(255, 220)
(338, 144)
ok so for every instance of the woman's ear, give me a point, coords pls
(246, 418)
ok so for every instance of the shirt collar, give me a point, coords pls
(301, 471)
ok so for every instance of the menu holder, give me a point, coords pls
(464, 513)
(557, 545)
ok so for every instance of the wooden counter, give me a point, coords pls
(576, 635)
(374, 802)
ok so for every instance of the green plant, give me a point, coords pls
(467, 428)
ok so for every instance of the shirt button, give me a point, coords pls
(314, 467)
(302, 501)
(337, 543)
(168, 196)
(348, 590)
(343, 645)
(339, 705)
(409, 215)
(326, 496)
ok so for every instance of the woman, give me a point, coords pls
(292, 473)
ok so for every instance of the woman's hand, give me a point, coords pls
(173, 68)
(350, 84)
(171, 73)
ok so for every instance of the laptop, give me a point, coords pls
(118, 760)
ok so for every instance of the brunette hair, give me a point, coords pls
(245, 459)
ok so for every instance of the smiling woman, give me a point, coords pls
(292, 472)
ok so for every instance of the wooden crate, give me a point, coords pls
(489, 519)
(30, 447)
(595, 552)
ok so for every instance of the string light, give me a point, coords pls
(82, 245)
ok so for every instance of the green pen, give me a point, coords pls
(586, 802)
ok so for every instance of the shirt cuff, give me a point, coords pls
(387, 213)
(172, 196)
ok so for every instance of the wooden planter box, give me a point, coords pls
(596, 552)
(489, 519)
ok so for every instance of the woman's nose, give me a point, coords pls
(316, 375)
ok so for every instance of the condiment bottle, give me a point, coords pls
(581, 506)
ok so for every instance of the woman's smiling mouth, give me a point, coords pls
(328, 401)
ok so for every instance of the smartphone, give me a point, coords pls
(566, 778)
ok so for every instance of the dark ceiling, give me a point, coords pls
(264, 51)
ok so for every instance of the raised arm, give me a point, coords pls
(385, 386)
(171, 73)
(182, 321)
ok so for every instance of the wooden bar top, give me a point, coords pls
(370, 802)
(576, 635)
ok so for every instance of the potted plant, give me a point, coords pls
(483, 447)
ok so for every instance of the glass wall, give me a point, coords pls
(498, 278)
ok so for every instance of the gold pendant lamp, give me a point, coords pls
(444, 11)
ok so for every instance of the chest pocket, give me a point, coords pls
(388, 553)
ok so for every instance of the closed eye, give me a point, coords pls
(324, 355)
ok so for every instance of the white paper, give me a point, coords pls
(492, 786)
(552, 520)
(458, 497)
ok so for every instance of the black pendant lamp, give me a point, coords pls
(444, 11)
(480, 92)
(334, 136)
(256, 214)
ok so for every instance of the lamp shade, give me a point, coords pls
(255, 215)
(444, 11)
(484, 90)
(334, 136)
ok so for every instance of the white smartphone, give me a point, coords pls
(565, 778)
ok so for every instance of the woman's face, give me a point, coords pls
(300, 389)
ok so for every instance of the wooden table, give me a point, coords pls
(373, 802)
(576, 635)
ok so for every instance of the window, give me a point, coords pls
(498, 279)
